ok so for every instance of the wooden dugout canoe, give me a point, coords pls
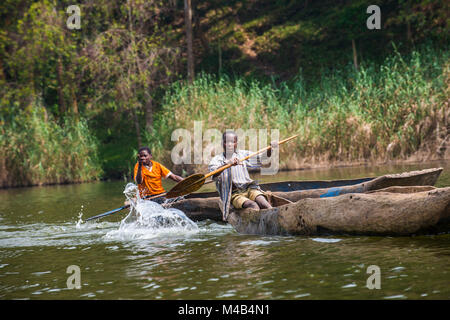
(390, 211)
(205, 205)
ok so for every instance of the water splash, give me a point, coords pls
(326, 240)
(148, 219)
(80, 218)
(131, 191)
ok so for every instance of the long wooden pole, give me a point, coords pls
(196, 181)
(247, 157)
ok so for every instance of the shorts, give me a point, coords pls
(239, 197)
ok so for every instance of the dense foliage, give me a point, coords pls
(380, 112)
(76, 104)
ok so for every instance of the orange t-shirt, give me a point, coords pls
(151, 179)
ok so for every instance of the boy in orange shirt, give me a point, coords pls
(148, 175)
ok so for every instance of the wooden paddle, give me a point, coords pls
(195, 181)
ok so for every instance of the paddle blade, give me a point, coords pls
(188, 185)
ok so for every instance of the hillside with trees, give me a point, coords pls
(75, 104)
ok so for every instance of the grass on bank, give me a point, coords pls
(380, 112)
(36, 150)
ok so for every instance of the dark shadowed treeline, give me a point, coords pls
(76, 104)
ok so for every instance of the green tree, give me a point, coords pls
(422, 19)
(130, 60)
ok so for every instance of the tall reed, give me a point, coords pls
(380, 112)
(36, 150)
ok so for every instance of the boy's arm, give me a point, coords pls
(166, 173)
(234, 162)
(274, 145)
(175, 178)
(216, 164)
(138, 177)
(265, 155)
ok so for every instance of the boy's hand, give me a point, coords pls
(234, 161)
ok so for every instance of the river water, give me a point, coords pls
(40, 237)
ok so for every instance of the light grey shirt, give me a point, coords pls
(240, 177)
(236, 175)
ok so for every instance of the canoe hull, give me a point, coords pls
(206, 206)
(384, 212)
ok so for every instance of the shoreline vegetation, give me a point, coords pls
(394, 112)
(37, 150)
(398, 110)
(77, 103)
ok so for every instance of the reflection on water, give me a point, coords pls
(40, 238)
